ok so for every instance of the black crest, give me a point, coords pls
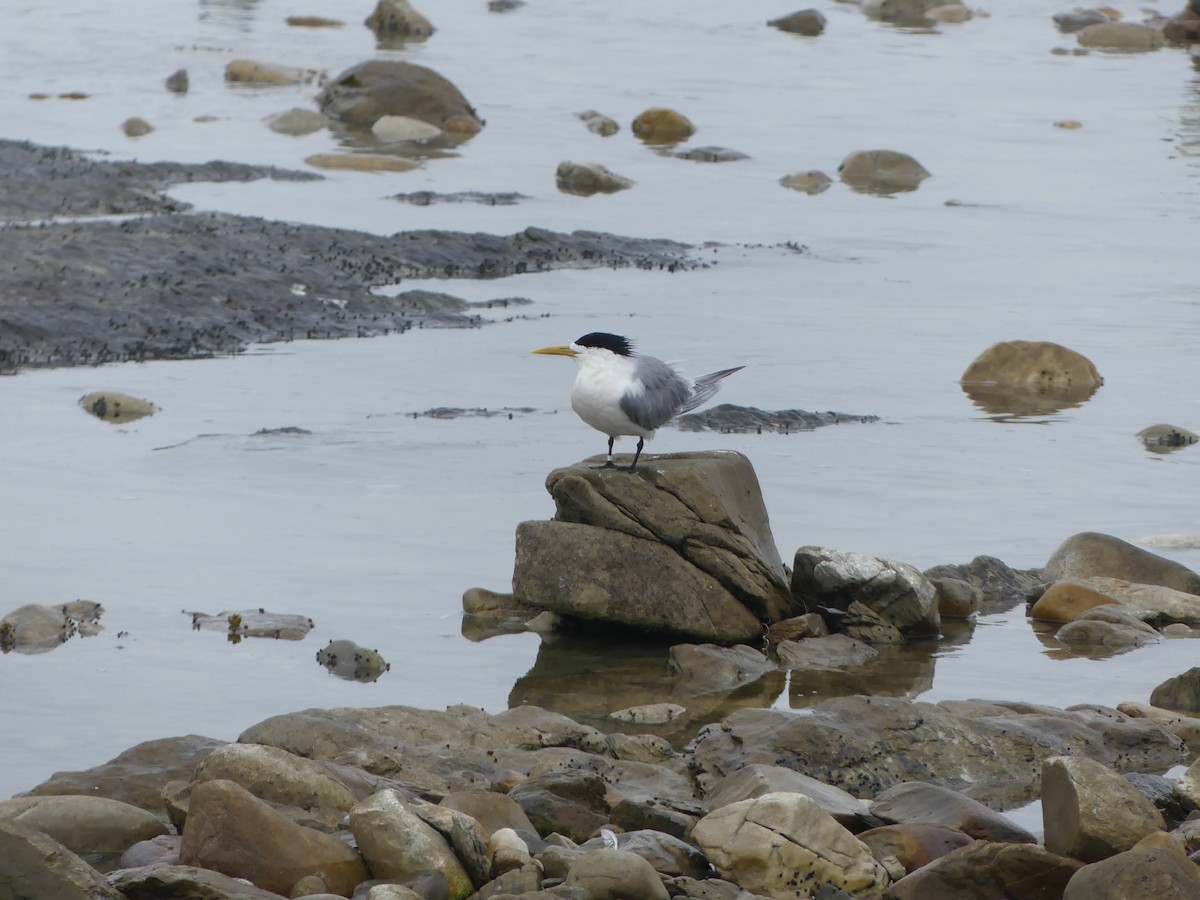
(605, 341)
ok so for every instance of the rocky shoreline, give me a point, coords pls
(713, 794)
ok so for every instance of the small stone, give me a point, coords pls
(177, 82)
(650, 714)
(661, 126)
(115, 407)
(882, 172)
(391, 129)
(1128, 37)
(806, 22)
(361, 162)
(248, 71)
(811, 182)
(297, 122)
(585, 179)
(599, 124)
(136, 127)
(313, 22)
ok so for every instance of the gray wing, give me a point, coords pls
(706, 386)
(665, 396)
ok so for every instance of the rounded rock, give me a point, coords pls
(616, 874)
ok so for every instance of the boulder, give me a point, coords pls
(1180, 693)
(161, 881)
(810, 182)
(881, 172)
(1093, 555)
(492, 810)
(364, 93)
(1157, 867)
(1188, 784)
(1065, 601)
(1162, 605)
(36, 629)
(956, 598)
(1090, 812)
(1030, 378)
(161, 849)
(276, 776)
(807, 22)
(989, 871)
(912, 844)
(1128, 37)
(683, 545)
(1000, 587)
(571, 803)
(1070, 21)
(670, 856)
(89, 826)
(762, 844)
(585, 179)
(658, 126)
(231, 831)
(991, 751)
(875, 600)
(615, 874)
(393, 19)
(709, 668)
(1186, 728)
(34, 865)
(396, 843)
(757, 779)
(833, 652)
(1115, 628)
(506, 850)
(916, 802)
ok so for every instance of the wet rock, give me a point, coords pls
(38, 629)
(503, 6)
(1160, 606)
(989, 871)
(35, 865)
(956, 598)
(348, 660)
(875, 600)
(486, 198)
(492, 810)
(161, 881)
(1116, 627)
(1186, 728)
(950, 14)
(1073, 20)
(161, 849)
(824, 654)
(705, 668)
(1091, 555)
(506, 851)
(901, 12)
(709, 154)
(115, 407)
(1187, 785)
(881, 172)
(693, 525)
(258, 623)
(395, 129)
(276, 776)
(1180, 693)
(758, 779)
(93, 827)
(992, 752)
(650, 714)
(396, 843)
(599, 124)
(763, 844)
(729, 418)
(912, 845)
(1065, 601)
(248, 71)
(1166, 438)
(232, 831)
(1000, 587)
(177, 82)
(659, 126)
(361, 162)
(1030, 377)
(523, 881)
(1156, 867)
(811, 182)
(138, 775)
(915, 802)
(396, 19)
(313, 22)
(615, 874)
(1068, 124)
(670, 856)
(1089, 812)
(796, 628)
(297, 122)
(553, 813)
(585, 179)
(808, 22)
(1128, 37)
(136, 127)
(362, 94)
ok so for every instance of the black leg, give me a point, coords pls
(610, 464)
(637, 453)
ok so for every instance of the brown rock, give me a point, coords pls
(1095, 555)
(662, 126)
(492, 810)
(1065, 600)
(1089, 812)
(362, 94)
(232, 831)
(1181, 693)
(989, 871)
(33, 865)
(917, 802)
(913, 844)
(1155, 868)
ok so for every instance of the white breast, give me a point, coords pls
(602, 380)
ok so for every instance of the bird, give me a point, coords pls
(623, 393)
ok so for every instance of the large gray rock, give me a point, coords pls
(1000, 586)
(490, 809)
(989, 871)
(363, 94)
(396, 843)
(33, 865)
(930, 804)
(231, 831)
(616, 874)
(1094, 555)
(1181, 693)
(830, 653)
(670, 856)
(276, 776)
(757, 779)
(761, 844)
(992, 752)
(706, 668)
(1090, 812)
(167, 882)
(89, 826)
(682, 545)
(880, 600)
(1156, 868)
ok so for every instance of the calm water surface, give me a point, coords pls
(375, 523)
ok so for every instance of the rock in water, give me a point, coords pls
(682, 546)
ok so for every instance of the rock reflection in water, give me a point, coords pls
(1005, 403)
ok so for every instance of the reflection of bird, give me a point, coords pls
(621, 392)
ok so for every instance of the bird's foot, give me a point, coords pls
(608, 465)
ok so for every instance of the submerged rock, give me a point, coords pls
(807, 22)
(682, 546)
(115, 407)
(585, 179)
(881, 172)
(1127, 37)
(1090, 555)
(258, 623)
(348, 660)
(248, 71)
(1030, 378)
(660, 126)
(599, 124)
(1166, 438)
(811, 182)
(393, 19)
(729, 418)
(37, 629)
(361, 95)
(297, 122)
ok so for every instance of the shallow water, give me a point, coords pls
(375, 523)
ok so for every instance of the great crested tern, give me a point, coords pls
(620, 392)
